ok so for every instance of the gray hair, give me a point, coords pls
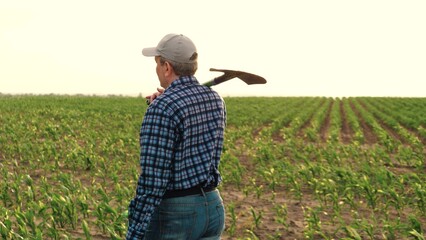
(183, 69)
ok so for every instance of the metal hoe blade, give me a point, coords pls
(248, 78)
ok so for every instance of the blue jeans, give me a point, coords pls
(189, 217)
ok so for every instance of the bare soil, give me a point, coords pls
(369, 137)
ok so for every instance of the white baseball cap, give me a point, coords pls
(175, 47)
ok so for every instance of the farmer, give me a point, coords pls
(181, 141)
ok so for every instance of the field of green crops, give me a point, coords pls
(293, 167)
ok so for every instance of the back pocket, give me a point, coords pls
(177, 225)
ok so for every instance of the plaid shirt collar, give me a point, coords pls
(183, 80)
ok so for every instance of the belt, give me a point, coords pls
(187, 192)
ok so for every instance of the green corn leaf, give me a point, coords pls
(417, 235)
(86, 230)
(352, 233)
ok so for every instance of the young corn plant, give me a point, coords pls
(352, 233)
(257, 217)
(313, 223)
(86, 230)
(271, 177)
(281, 215)
(369, 191)
(6, 231)
(420, 192)
(233, 223)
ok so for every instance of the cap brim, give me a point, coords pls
(150, 52)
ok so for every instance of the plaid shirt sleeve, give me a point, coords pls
(156, 141)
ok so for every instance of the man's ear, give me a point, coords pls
(169, 69)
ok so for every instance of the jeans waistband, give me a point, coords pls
(187, 192)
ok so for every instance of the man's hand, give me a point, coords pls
(153, 96)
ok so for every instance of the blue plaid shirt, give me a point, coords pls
(181, 141)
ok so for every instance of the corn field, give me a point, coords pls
(292, 167)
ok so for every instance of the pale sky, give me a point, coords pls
(303, 48)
